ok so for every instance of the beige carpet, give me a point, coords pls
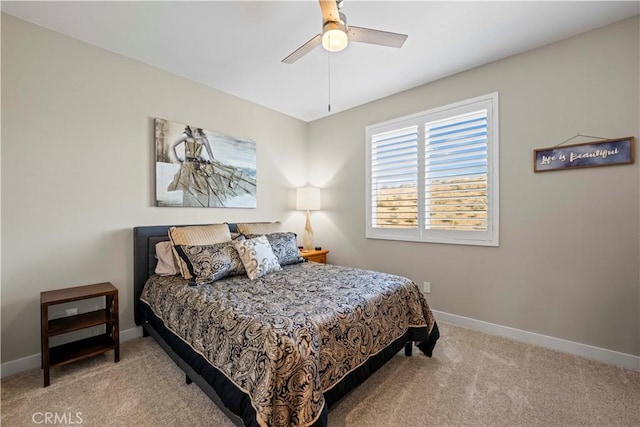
(473, 379)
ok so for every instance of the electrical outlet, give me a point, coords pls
(72, 311)
(426, 287)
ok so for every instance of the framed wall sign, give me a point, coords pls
(608, 152)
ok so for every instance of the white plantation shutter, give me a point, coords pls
(433, 176)
(456, 173)
(394, 178)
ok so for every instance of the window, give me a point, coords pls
(433, 176)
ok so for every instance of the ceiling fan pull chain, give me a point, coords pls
(329, 78)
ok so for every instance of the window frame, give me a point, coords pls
(490, 237)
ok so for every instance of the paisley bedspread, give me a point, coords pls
(292, 334)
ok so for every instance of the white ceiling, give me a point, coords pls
(237, 46)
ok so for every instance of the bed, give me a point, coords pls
(282, 349)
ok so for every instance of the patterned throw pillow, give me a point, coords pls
(257, 256)
(211, 262)
(284, 246)
(200, 235)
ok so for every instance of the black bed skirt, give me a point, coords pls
(239, 403)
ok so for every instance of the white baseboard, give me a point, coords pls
(622, 360)
(33, 361)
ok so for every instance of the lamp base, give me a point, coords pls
(307, 237)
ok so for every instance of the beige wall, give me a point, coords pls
(77, 175)
(567, 265)
(78, 168)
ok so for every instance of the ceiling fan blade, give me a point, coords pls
(329, 10)
(384, 38)
(303, 50)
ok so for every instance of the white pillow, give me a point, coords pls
(257, 256)
(166, 265)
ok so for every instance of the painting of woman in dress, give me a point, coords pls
(200, 168)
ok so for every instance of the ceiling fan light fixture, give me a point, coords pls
(334, 36)
(336, 33)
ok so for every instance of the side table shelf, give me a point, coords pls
(80, 349)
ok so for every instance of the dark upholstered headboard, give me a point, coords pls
(144, 256)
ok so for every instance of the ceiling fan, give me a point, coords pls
(336, 34)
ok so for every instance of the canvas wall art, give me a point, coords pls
(196, 167)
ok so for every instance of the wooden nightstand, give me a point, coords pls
(77, 350)
(315, 256)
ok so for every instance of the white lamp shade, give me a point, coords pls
(308, 198)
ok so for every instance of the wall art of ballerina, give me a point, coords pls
(196, 167)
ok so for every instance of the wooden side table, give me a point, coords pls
(315, 255)
(81, 349)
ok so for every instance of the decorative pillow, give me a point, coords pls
(257, 256)
(284, 246)
(259, 227)
(211, 262)
(197, 235)
(166, 265)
